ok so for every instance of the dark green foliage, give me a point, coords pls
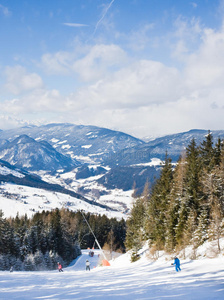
(48, 237)
(156, 222)
(218, 152)
(207, 152)
(193, 172)
(135, 232)
(124, 177)
(185, 206)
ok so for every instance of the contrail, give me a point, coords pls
(100, 20)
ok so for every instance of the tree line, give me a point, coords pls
(39, 242)
(185, 206)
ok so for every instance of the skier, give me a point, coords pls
(87, 265)
(177, 264)
(60, 267)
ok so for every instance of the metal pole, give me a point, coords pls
(94, 236)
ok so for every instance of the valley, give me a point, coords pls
(81, 167)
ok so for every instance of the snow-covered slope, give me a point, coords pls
(24, 152)
(201, 279)
(88, 144)
(173, 144)
(27, 200)
(101, 164)
(26, 193)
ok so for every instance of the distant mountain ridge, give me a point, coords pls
(90, 144)
(24, 152)
(113, 158)
(16, 176)
(173, 144)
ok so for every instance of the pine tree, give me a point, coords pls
(215, 191)
(176, 209)
(217, 152)
(191, 197)
(56, 232)
(135, 232)
(156, 220)
(39, 261)
(200, 234)
(29, 263)
(193, 172)
(207, 152)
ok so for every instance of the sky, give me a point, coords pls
(144, 67)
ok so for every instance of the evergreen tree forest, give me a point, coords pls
(185, 206)
(38, 243)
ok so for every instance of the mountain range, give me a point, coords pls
(87, 160)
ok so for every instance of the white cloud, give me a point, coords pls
(39, 100)
(100, 60)
(9, 122)
(186, 37)
(138, 39)
(74, 25)
(6, 12)
(89, 63)
(58, 63)
(193, 4)
(139, 96)
(19, 80)
(141, 84)
(205, 68)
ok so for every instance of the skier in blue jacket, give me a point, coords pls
(177, 264)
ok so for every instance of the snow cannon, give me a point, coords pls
(106, 263)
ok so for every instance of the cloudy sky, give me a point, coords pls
(145, 67)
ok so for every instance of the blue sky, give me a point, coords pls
(145, 67)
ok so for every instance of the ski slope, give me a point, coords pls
(201, 279)
(79, 263)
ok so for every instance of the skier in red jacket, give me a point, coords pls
(60, 267)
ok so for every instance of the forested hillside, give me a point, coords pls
(40, 242)
(186, 204)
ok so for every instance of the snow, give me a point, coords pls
(201, 279)
(27, 200)
(86, 146)
(82, 158)
(89, 133)
(66, 147)
(118, 199)
(6, 171)
(62, 142)
(94, 167)
(114, 198)
(54, 140)
(153, 163)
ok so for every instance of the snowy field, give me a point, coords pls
(201, 279)
(27, 200)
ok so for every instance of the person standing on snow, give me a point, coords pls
(87, 265)
(177, 264)
(60, 267)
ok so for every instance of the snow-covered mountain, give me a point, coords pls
(147, 153)
(88, 144)
(19, 188)
(24, 152)
(100, 164)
